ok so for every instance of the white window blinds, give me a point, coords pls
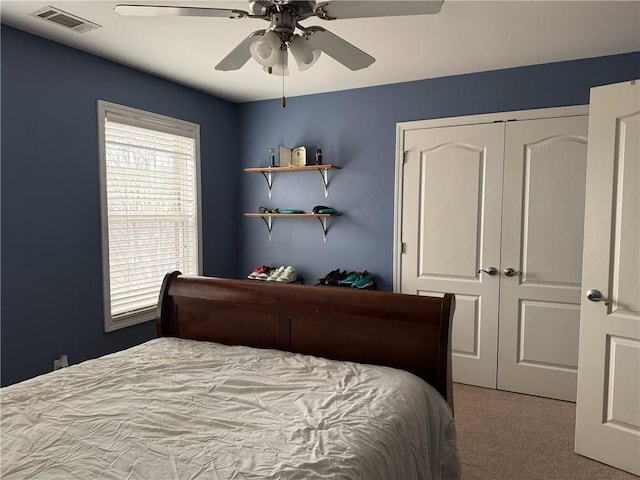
(150, 197)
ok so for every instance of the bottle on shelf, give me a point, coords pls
(272, 157)
(318, 155)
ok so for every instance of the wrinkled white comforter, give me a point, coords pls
(182, 409)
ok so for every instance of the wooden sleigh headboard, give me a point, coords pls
(409, 332)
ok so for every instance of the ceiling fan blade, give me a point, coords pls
(339, 49)
(151, 10)
(237, 57)
(339, 9)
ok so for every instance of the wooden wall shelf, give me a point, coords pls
(323, 218)
(267, 173)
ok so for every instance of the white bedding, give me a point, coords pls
(181, 409)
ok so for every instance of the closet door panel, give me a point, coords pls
(552, 211)
(454, 207)
(544, 328)
(542, 235)
(452, 197)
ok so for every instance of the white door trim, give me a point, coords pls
(403, 127)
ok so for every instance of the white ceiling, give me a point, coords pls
(465, 37)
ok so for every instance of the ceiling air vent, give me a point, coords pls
(65, 19)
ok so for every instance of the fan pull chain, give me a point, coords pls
(283, 101)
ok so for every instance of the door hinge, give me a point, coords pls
(403, 248)
(404, 156)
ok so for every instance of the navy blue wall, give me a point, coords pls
(357, 130)
(51, 256)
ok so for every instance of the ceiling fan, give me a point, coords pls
(269, 47)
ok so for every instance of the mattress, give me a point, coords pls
(183, 409)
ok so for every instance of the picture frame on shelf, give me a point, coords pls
(284, 156)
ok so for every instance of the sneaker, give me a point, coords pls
(331, 274)
(288, 275)
(257, 271)
(349, 279)
(365, 281)
(273, 276)
(334, 280)
(264, 275)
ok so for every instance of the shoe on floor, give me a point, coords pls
(325, 279)
(264, 275)
(273, 276)
(365, 281)
(349, 279)
(288, 275)
(334, 280)
(257, 272)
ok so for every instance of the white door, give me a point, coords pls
(542, 230)
(451, 203)
(608, 405)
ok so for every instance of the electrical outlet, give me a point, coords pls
(61, 362)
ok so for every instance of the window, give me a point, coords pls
(150, 208)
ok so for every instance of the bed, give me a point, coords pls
(250, 380)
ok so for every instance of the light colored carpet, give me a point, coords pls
(508, 436)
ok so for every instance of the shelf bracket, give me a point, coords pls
(268, 222)
(325, 179)
(325, 229)
(269, 178)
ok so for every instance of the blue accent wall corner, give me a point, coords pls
(51, 241)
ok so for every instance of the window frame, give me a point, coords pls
(152, 121)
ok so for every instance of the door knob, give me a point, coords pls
(510, 272)
(596, 296)
(489, 271)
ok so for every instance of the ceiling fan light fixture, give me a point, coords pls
(264, 48)
(281, 67)
(305, 66)
(304, 55)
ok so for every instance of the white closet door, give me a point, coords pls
(451, 203)
(608, 407)
(542, 234)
